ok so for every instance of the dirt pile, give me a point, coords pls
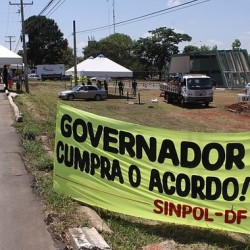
(240, 107)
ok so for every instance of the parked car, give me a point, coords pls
(83, 92)
(34, 77)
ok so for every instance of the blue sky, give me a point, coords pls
(208, 22)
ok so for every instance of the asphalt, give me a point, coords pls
(22, 223)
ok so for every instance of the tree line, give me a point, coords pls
(145, 57)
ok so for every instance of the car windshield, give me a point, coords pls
(199, 83)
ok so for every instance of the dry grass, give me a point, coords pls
(162, 115)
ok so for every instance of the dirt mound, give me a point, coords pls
(240, 107)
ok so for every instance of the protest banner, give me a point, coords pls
(190, 178)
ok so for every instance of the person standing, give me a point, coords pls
(105, 84)
(121, 87)
(99, 84)
(134, 87)
(5, 76)
(89, 82)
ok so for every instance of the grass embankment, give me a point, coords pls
(39, 111)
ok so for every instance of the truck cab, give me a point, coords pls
(192, 88)
(196, 89)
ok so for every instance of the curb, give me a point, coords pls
(18, 115)
(86, 238)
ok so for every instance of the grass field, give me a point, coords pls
(39, 112)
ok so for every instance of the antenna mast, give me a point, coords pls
(114, 15)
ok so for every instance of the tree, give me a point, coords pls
(92, 49)
(204, 48)
(157, 49)
(189, 49)
(46, 44)
(68, 57)
(236, 44)
(215, 47)
(116, 47)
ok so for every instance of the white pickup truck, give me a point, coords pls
(195, 88)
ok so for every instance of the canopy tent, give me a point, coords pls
(16, 66)
(104, 67)
(9, 57)
(79, 67)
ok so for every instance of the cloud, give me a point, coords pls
(147, 34)
(176, 30)
(213, 42)
(172, 3)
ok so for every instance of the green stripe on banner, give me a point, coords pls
(190, 178)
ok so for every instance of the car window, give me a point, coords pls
(92, 88)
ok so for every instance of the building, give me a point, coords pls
(227, 68)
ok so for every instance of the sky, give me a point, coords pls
(208, 22)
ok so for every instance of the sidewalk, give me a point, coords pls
(22, 224)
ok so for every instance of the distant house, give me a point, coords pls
(227, 68)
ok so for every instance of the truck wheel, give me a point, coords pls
(183, 104)
(70, 97)
(167, 99)
(206, 104)
(170, 98)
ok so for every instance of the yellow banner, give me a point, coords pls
(191, 178)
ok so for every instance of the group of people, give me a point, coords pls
(121, 87)
(105, 85)
(7, 77)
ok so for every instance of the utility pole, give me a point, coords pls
(26, 83)
(75, 56)
(10, 40)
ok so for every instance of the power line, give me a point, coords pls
(57, 5)
(147, 16)
(46, 7)
(54, 8)
(19, 12)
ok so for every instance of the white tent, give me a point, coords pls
(9, 57)
(104, 67)
(79, 67)
(16, 66)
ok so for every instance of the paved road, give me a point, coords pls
(22, 224)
